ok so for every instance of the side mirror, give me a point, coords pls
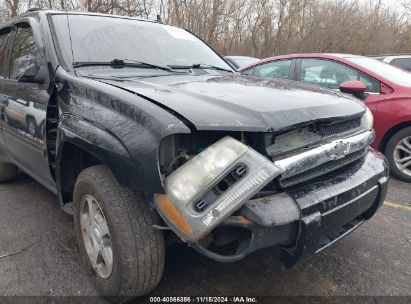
(30, 70)
(354, 87)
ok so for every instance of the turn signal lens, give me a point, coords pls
(173, 215)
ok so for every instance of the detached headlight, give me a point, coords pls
(191, 179)
(367, 120)
(195, 202)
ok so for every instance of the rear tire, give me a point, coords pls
(32, 126)
(138, 250)
(398, 153)
(8, 172)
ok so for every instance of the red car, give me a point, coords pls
(384, 88)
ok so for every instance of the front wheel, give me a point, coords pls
(114, 228)
(398, 153)
(32, 126)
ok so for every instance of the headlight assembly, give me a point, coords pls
(367, 120)
(211, 186)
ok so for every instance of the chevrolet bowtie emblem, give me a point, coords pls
(339, 150)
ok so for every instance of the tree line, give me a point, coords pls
(263, 28)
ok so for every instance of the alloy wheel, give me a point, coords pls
(96, 236)
(402, 155)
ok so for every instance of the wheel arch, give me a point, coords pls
(73, 160)
(80, 145)
(394, 129)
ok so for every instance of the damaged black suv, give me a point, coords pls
(148, 137)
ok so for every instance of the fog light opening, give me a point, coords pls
(226, 240)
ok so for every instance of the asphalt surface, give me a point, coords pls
(39, 256)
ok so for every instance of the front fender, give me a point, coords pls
(109, 150)
(121, 129)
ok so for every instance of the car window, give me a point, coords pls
(243, 61)
(248, 71)
(22, 102)
(24, 46)
(4, 35)
(404, 63)
(331, 74)
(372, 85)
(274, 69)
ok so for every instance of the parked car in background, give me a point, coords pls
(387, 94)
(25, 116)
(238, 62)
(402, 61)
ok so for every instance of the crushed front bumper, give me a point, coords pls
(306, 219)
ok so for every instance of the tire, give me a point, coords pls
(138, 250)
(8, 172)
(32, 126)
(394, 152)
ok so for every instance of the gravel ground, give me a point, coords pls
(375, 260)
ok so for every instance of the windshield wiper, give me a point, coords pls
(124, 63)
(209, 66)
(200, 66)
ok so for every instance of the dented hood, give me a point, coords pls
(240, 103)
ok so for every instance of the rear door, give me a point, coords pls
(24, 120)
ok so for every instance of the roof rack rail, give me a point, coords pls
(33, 9)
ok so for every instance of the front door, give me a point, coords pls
(24, 118)
(331, 74)
(5, 35)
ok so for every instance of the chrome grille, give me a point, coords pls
(322, 169)
(337, 127)
(293, 141)
(323, 159)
